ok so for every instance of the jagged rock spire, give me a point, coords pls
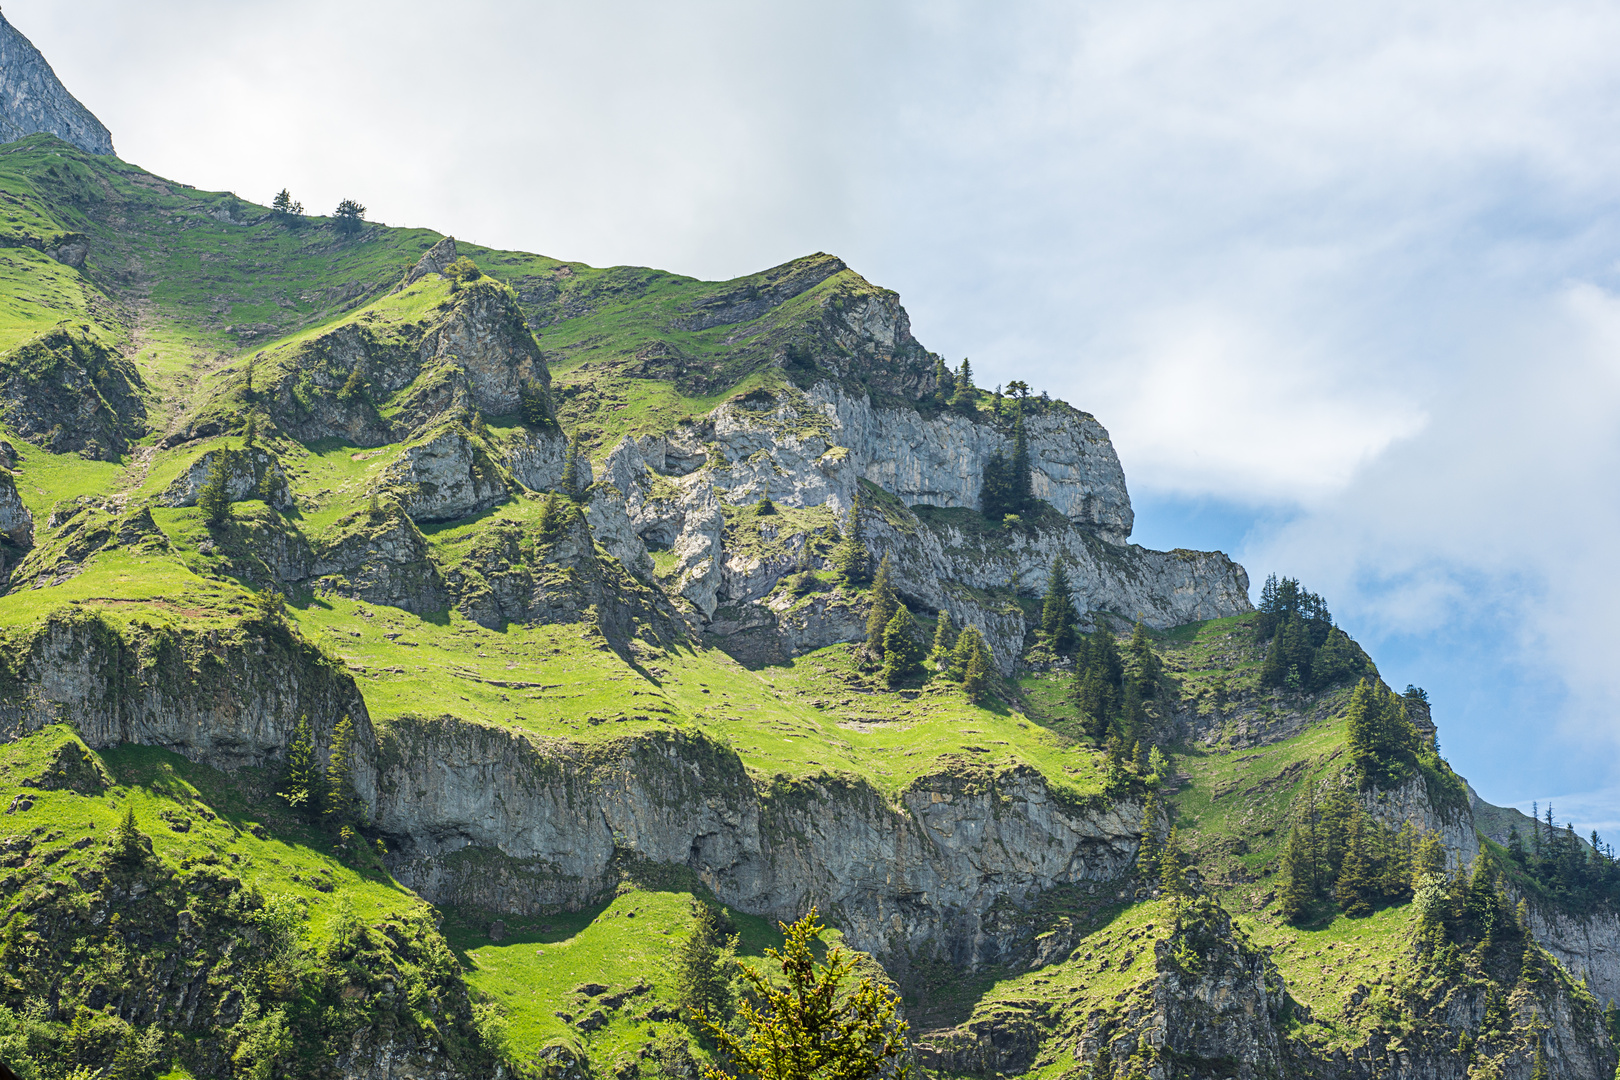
(33, 99)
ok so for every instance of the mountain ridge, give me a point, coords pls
(449, 622)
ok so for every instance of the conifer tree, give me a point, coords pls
(281, 205)
(250, 430)
(996, 490)
(1102, 1067)
(811, 1026)
(1172, 870)
(1023, 485)
(1299, 864)
(214, 500)
(1147, 851)
(1356, 887)
(534, 401)
(572, 470)
(1539, 1070)
(350, 217)
(127, 838)
(884, 603)
(354, 387)
(850, 557)
(964, 397)
(301, 778)
(971, 658)
(901, 655)
(1480, 906)
(1147, 662)
(944, 383)
(944, 640)
(342, 805)
(703, 965)
(1057, 610)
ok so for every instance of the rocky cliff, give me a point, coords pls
(33, 99)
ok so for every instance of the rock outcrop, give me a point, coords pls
(812, 449)
(70, 392)
(33, 99)
(495, 819)
(252, 473)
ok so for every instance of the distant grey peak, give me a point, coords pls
(33, 99)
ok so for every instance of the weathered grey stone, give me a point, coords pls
(33, 99)
(445, 477)
(435, 260)
(15, 520)
(250, 466)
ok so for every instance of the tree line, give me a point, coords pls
(1555, 860)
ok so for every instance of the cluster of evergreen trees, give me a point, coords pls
(1556, 860)
(1384, 746)
(323, 794)
(1307, 652)
(1339, 855)
(892, 638)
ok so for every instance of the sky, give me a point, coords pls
(1342, 282)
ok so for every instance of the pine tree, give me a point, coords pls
(1057, 610)
(1147, 662)
(1147, 851)
(214, 500)
(703, 965)
(301, 777)
(1357, 885)
(944, 640)
(944, 384)
(342, 805)
(996, 489)
(350, 217)
(973, 659)
(1023, 485)
(128, 842)
(850, 558)
(281, 205)
(901, 655)
(534, 401)
(884, 603)
(1539, 1071)
(354, 387)
(965, 398)
(569, 484)
(1481, 903)
(556, 517)
(806, 1024)
(1172, 870)
(1299, 864)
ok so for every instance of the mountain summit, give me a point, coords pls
(33, 99)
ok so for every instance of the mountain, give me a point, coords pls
(403, 638)
(33, 99)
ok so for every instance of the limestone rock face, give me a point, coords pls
(434, 261)
(381, 561)
(811, 449)
(536, 459)
(225, 702)
(33, 99)
(446, 477)
(15, 520)
(916, 881)
(249, 469)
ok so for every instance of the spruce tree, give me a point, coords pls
(1539, 1070)
(703, 964)
(1023, 485)
(850, 558)
(214, 500)
(128, 842)
(972, 658)
(342, 804)
(1102, 1067)
(944, 384)
(996, 488)
(1147, 662)
(884, 603)
(964, 397)
(534, 401)
(572, 471)
(354, 388)
(1480, 906)
(1299, 865)
(944, 640)
(1057, 610)
(1357, 884)
(1147, 851)
(1172, 870)
(301, 777)
(901, 655)
(281, 205)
